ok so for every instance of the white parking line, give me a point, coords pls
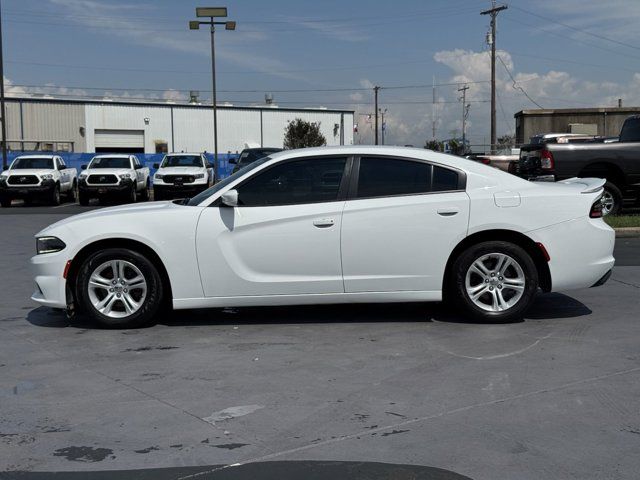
(66, 205)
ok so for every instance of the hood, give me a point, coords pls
(148, 208)
(180, 170)
(28, 171)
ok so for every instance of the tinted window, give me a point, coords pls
(110, 162)
(381, 177)
(301, 181)
(444, 179)
(182, 161)
(34, 162)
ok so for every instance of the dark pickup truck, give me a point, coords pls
(617, 162)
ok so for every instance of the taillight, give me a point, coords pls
(596, 209)
(546, 160)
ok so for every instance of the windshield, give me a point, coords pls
(110, 162)
(181, 161)
(201, 197)
(23, 163)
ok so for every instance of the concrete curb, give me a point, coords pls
(627, 232)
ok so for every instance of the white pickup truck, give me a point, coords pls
(38, 176)
(181, 175)
(113, 175)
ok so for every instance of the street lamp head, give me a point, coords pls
(194, 25)
(211, 12)
(230, 25)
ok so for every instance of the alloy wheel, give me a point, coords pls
(495, 282)
(117, 289)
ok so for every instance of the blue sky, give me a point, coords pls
(554, 51)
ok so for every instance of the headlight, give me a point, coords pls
(125, 175)
(46, 176)
(49, 245)
(199, 175)
(159, 176)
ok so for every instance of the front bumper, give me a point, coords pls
(172, 189)
(113, 189)
(50, 285)
(26, 191)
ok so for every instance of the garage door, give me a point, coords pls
(114, 140)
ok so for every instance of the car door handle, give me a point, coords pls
(448, 212)
(324, 222)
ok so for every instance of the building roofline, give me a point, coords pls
(574, 111)
(68, 101)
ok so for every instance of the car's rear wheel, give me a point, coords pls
(496, 281)
(119, 288)
(611, 199)
(72, 194)
(144, 195)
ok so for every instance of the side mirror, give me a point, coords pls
(233, 161)
(83, 167)
(230, 198)
(156, 166)
(209, 165)
(137, 167)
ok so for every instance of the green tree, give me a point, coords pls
(506, 141)
(301, 134)
(435, 145)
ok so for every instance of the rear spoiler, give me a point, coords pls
(591, 185)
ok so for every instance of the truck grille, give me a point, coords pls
(102, 179)
(178, 179)
(23, 180)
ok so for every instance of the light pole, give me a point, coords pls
(2, 109)
(212, 13)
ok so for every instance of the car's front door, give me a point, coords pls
(283, 238)
(400, 224)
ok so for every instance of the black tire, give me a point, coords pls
(463, 299)
(614, 195)
(131, 195)
(54, 199)
(144, 195)
(72, 194)
(83, 198)
(157, 195)
(150, 304)
(5, 202)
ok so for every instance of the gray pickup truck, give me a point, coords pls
(617, 162)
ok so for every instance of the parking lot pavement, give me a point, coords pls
(391, 391)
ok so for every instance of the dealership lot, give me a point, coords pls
(554, 396)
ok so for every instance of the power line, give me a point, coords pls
(515, 84)
(581, 30)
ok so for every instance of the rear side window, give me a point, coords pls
(310, 180)
(382, 177)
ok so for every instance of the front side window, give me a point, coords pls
(310, 180)
(382, 177)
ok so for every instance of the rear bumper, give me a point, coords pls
(580, 251)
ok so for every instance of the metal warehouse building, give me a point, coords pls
(106, 126)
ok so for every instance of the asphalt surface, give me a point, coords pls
(366, 391)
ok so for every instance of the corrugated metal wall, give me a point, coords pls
(182, 128)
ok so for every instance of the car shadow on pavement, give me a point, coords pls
(551, 306)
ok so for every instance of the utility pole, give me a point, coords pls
(433, 109)
(375, 95)
(384, 125)
(464, 115)
(3, 111)
(493, 11)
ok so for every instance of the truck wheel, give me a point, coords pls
(83, 198)
(144, 195)
(5, 202)
(494, 281)
(611, 199)
(55, 195)
(119, 288)
(132, 196)
(72, 194)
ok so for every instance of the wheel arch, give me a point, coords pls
(517, 238)
(129, 243)
(603, 169)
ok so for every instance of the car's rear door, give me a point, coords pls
(400, 223)
(283, 238)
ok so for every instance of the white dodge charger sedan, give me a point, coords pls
(333, 225)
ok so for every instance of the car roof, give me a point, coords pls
(36, 156)
(113, 155)
(177, 154)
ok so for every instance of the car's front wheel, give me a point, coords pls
(119, 288)
(495, 281)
